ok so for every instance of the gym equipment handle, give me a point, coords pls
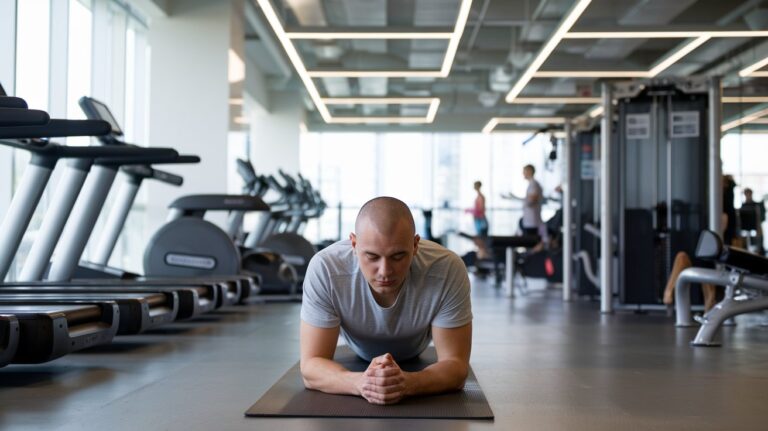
(57, 129)
(13, 117)
(13, 102)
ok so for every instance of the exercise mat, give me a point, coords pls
(289, 398)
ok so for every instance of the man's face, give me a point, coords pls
(385, 257)
(527, 173)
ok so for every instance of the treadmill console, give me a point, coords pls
(96, 110)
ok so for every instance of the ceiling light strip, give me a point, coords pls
(749, 70)
(759, 74)
(744, 120)
(375, 74)
(492, 123)
(379, 100)
(293, 55)
(591, 74)
(556, 100)
(596, 111)
(495, 121)
(530, 120)
(547, 49)
(453, 44)
(333, 35)
(675, 56)
(379, 120)
(432, 112)
(662, 34)
(744, 99)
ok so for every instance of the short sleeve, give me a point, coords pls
(456, 307)
(317, 306)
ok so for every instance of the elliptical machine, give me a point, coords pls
(188, 245)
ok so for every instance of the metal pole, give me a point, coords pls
(115, 221)
(715, 167)
(606, 219)
(53, 224)
(509, 272)
(81, 223)
(20, 212)
(567, 214)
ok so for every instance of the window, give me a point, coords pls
(428, 171)
(79, 61)
(744, 156)
(32, 51)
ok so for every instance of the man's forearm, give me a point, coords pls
(325, 375)
(443, 376)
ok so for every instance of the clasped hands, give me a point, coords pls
(383, 382)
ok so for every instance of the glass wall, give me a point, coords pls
(66, 49)
(745, 156)
(427, 171)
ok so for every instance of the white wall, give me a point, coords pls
(275, 134)
(189, 97)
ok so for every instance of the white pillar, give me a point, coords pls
(275, 134)
(606, 216)
(189, 97)
(567, 185)
(715, 168)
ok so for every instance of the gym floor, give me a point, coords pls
(543, 364)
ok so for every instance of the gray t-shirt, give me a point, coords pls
(532, 210)
(435, 292)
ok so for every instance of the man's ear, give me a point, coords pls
(416, 239)
(353, 238)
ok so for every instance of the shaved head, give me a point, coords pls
(385, 214)
(385, 242)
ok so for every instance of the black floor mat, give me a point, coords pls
(289, 398)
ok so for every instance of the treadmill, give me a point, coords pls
(237, 287)
(42, 332)
(139, 313)
(9, 338)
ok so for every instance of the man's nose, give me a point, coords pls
(385, 268)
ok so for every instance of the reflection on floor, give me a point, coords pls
(544, 365)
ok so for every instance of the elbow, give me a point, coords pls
(460, 381)
(304, 376)
(307, 383)
(460, 378)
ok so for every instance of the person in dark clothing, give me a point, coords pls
(728, 209)
(752, 215)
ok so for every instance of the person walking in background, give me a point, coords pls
(756, 211)
(478, 212)
(531, 223)
(729, 211)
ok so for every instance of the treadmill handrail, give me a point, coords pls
(57, 129)
(13, 102)
(213, 202)
(106, 155)
(14, 117)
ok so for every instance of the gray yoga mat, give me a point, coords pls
(289, 398)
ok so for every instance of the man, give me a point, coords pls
(755, 211)
(387, 293)
(531, 223)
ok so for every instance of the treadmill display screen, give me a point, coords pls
(96, 110)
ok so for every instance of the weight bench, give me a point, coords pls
(737, 270)
(508, 245)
